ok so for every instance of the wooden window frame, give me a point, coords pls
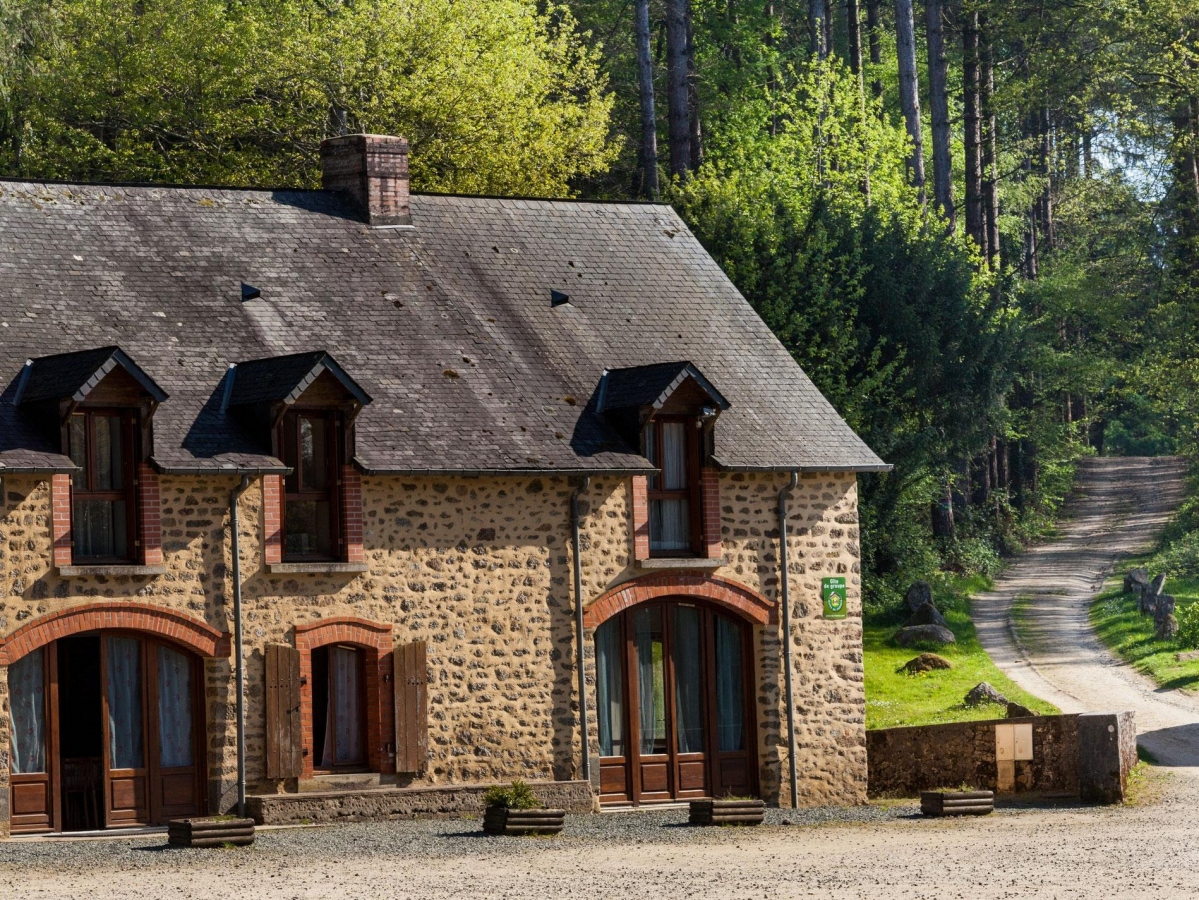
(333, 493)
(691, 493)
(130, 455)
(364, 763)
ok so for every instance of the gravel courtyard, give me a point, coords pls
(1143, 850)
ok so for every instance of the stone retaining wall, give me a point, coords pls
(403, 803)
(1086, 756)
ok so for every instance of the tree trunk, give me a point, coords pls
(990, 160)
(976, 227)
(909, 90)
(1046, 168)
(677, 98)
(939, 103)
(649, 122)
(853, 22)
(696, 132)
(942, 514)
(819, 27)
(874, 29)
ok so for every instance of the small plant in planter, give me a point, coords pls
(515, 810)
(728, 811)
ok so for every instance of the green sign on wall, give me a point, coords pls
(834, 597)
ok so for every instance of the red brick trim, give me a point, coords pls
(272, 518)
(60, 519)
(709, 491)
(351, 511)
(745, 602)
(124, 615)
(375, 638)
(640, 517)
(150, 511)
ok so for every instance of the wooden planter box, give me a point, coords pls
(727, 812)
(501, 820)
(210, 831)
(959, 803)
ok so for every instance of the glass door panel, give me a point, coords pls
(649, 640)
(124, 718)
(687, 661)
(733, 764)
(175, 777)
(31, 787)
(615, 783)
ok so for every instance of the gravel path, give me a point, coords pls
(1118, 507)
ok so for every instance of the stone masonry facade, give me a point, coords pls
(479, 568)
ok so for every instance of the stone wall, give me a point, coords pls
(480, 568)
(905, 761)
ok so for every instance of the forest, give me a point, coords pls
(974, 224)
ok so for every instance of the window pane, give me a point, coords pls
(651, 678)
(99, 527)
(108, 453)
(674, 456)
(651, 452)
(609, 667)
(670, 525)
(730, 691)
(174, 708)
(124, 703)
(313, 454)
(290, 456)
(688, 680)
(307, 528)
(77, 447)
(27, 689)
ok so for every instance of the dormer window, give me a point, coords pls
(311, 511)
(101, 443)
(672, 444)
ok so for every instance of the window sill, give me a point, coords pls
(110, 569)
(316, 568)
(681, 562)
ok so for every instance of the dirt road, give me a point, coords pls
(1118, 507)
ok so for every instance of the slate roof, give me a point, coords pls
(448, 325)
(651, 385)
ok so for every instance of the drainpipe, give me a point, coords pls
(579, 650)
(785, 584)
(238, 652)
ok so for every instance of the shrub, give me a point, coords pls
(1188, 626)
(517, 796)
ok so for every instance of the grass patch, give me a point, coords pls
(1123, 630)
(1146, 785)
(895, 698)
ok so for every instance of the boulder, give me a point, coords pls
(983, 693)
(1150, 594)
(925, 662)
(1016, 711)
(924, 634)
(1136, 580)
(919, 594)
(927, 615)
(1166, 629)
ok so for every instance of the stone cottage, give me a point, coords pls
(458, 489)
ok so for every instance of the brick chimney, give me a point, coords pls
(373, 170)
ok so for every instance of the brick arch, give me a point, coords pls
(742, 601)
(376, 638)
(193, 634)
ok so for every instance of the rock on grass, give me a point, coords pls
(925, 662)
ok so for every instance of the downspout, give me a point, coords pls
(238, 652)
(785, 599)
(579, 649)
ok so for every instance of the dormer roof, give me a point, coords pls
(283, 379)
(73, 376)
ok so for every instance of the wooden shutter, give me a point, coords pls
(284, 734)
(412, 708)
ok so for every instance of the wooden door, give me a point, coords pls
(176, 745)
(33, 786)
(690, 703)
(731, 708)
(652, 752)
(126, 772)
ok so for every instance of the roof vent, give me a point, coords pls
(249, 292)
(557, 298)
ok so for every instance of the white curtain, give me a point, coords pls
(674, 456)
(650, 682)
(124, 703)
(670, 524)
(609, 688)
(730, 691)
(27, 695)
(174, 708)
(343, 724)
(688, 680)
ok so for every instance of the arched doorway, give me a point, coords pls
(107, 732)
(674, 683)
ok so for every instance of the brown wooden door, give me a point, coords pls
(123, 667)
(684, 725)
(176, 747)
(33, 696)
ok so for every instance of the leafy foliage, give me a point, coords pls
(518, 795)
